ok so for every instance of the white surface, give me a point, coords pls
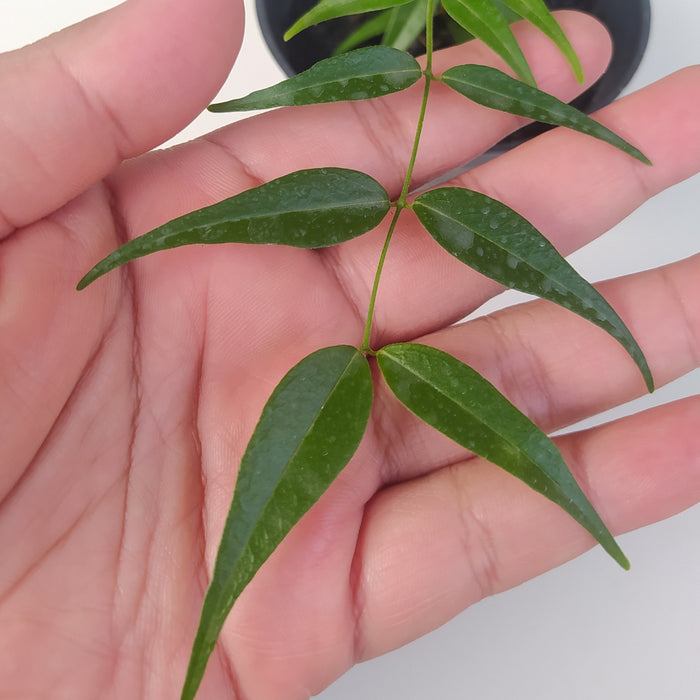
(587, 630)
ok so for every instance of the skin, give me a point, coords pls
(124, 409)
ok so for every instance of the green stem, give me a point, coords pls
(365, 347)
(402, 202)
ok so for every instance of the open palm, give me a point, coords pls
(124, 409)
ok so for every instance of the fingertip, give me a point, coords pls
(106, 89)
(154, 64)
(589, 38)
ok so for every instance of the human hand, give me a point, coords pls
(126, 408)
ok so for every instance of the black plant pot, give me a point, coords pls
(627, 20)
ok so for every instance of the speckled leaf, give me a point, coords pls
(406, 24)
(331, 9)
(499, 243)
(538, 14)
(493, 88)
(308, 431)
(484, 20)
(305, 209)
(461, 404)
(373, 71)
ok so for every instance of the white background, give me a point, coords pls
(586, 630)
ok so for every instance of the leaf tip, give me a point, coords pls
(643, 366)
(529, 79)
(220, 107)
(195, 670)
(573, 60)
(638, 155)
(623, 561)
(86, 280)
(611, 546)
(102, 268)
(292, 31)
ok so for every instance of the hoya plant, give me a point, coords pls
(315, 418)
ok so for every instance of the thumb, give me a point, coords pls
(114, 86)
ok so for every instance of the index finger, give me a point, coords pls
(78, 102)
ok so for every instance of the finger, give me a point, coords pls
(571, 187)
(375, 136)
(554, 180)
(475, 531)
(79, 102)
(556, 367)
(107, 87)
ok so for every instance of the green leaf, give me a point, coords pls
(493, 88)
(482, 19)
(305, 209)
(309, 429)
(407, 23)
(332, 9)
(538, 14)
(372, 28)
(499, 243)
(507, 13)
(456, 31)
(461, 404)
(373, 71)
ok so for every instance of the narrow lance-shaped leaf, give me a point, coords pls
(358, 75)
(370, 29)
(308, 431)
(407, 23)
(492, 88)
(460, 403)
(305, 209)
(483, 19)
(332, 9)
(499, 243)
(506, 11)
(538, 14)
(457, 32)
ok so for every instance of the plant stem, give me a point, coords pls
(402, 202)
(365, 347)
